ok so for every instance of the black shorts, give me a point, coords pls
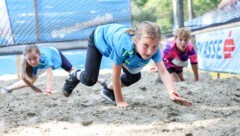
(172, 70)
(66, 65)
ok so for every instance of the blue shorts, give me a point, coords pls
(66, 65)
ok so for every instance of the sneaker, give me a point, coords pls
(5, 91)
(70, 83)
(107, 94)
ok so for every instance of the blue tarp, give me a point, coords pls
(60, 20)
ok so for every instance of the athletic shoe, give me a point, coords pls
(5, 91)
(107, 94)
(70, 83)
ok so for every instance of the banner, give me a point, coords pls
(219, 50)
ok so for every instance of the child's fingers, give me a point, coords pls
(47, 93)
(186, 103)
(122, 104)
(181, 101)
(38, 90)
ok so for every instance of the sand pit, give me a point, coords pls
(215, 110)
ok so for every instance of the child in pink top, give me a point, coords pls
(177, 53)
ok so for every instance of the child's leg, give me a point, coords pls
(92, 65)
(180, 75)
(174, 75)
(127, 78)
(18, 85)
(66, 65)
(90, 74)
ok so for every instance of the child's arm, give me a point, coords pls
(167, 80)
(117, 86)
(195, 71)
(49, 80)
(30, 84)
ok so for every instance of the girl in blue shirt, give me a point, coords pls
(36, 61)
(130, 51)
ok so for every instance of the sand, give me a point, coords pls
(215, 110)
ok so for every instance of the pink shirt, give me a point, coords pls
(172, 58)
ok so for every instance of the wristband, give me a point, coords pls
(173, 92)
(152, 68)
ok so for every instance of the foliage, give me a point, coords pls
(201, 7)
(161, 11)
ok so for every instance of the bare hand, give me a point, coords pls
(37, 90)
(48, 92)
(152, 69)
(175, 98)
(122, 104)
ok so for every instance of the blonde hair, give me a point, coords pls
(183, 33)
(146, 29)
(27, 69)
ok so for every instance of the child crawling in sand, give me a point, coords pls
(177, 53)
(130, 51)
(36, 61)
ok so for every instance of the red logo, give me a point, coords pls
(228, 47)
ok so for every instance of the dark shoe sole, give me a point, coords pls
(69, 92)
(106, 97)
(65, 94)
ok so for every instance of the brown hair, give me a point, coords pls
(182, 32)
(27, 69)
(146, 29)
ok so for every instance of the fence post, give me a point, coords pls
(190, 10)
(36, 20)
(19, 68)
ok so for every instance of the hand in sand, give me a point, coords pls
(152, 69)
(48, 92)
(175, 98)
(37, 90)
(122, 104)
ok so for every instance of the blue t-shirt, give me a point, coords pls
(113, 42)
(50, 57)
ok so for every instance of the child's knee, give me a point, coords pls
(129, 80)
(89, 81)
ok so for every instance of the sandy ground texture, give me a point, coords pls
(215, 110)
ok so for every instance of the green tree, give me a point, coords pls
(201, 7)
(161, 11)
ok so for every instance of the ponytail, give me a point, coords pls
(27, 69)
(131, 31)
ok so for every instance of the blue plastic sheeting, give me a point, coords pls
(61, 20)
(230, 13)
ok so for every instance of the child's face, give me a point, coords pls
(146, 47)
(182, 43)
(32, 58)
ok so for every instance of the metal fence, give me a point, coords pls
(43, 21)
(40, 21)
